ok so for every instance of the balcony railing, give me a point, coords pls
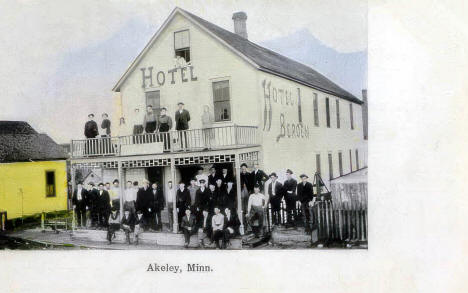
(164, 142)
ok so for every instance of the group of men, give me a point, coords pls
(98, 201)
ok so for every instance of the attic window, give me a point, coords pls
(182, 45)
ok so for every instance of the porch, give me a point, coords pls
(192, 140)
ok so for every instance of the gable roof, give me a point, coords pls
(19, 142)
(261, 58)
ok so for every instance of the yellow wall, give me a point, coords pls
(23, 187)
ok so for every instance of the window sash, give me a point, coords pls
(357, 160)
(181, 39)
(330, 166)
(340, 163)
(327, 109)
(337, 114)
(316, 118)
(350, 161)
(351, 115)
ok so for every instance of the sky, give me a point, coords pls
(60, 59)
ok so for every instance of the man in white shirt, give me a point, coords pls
(130, 197)
(201, 176)
(217, 224)
(115, 194)
(256, 210)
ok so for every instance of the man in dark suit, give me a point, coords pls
(231, 194)
(182, 201)
(91, 131)
(225, 176)
(211, 199)
(104, 206)
(220, 194)
(201, 198)
(144, 203)
(212, 177)
(258, 177)
(158, 205)
(231, 226)
(290, 197)
(79, 204)
(188, 226)
(305, 195)
(275, 195)
(204, 228)
(182, 118)
(92, 204)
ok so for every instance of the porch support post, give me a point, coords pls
(120, 170)
(239, 194)
(174, 185)
(73, 186)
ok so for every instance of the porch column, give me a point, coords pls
(72, 170)
(239, 194)
(121, 185)
(174, 211)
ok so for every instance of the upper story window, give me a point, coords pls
(337, 113)
(50, 183)
(351, 115)
(182, 45)
(316, 118)
(153, 99)
(327, 109)
(222, 101)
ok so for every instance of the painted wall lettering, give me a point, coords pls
(284, 98)
(147, 76)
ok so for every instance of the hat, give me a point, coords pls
(181, 182)
(303, 175)
(289, 171)
(180, 103)
(244, 165)
(202, 180)
(101, 184)
(163, 108)
(116, 180)
(193, 179)
(91, 115)
(257, 185)
(273, 174)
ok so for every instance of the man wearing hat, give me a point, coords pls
(79, 204)
(289, 187)
(91, 131)
(275, 195)
(201, 197)
(104, 206)
(258, 177)
(305, 194)
(165, 124)
(182, 201)
(182, 118)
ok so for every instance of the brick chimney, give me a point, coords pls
(240, 26)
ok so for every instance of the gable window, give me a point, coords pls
(330, 166)
(153, 98)
(50, 183)
(351, 115)
(316, 118)
(221, 101)
(182, 45)
(337, 114)
(340, 163)
(327, 109)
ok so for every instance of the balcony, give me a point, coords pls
(216, 138)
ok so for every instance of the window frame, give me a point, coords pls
(340, 163)
(180, 49)
(53, 171)
(338, 122)
(156, 110)
(330, 165)
(351, 116)
(327, 111)
(350, 161)
(316, 111)
(221, 79)
(357, 159)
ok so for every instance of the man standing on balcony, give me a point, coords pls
(289, 186)
(165, 124)
(207, 125)
(106, 126)
(137, 126)
(182, 118)
(150, 122)
(90, 131)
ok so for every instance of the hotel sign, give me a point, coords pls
(177, 74)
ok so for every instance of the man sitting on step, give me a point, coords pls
(188, 225)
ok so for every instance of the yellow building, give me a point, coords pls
(33, 174)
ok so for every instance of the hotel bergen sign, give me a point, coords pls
(283, 98)
(179, 74)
